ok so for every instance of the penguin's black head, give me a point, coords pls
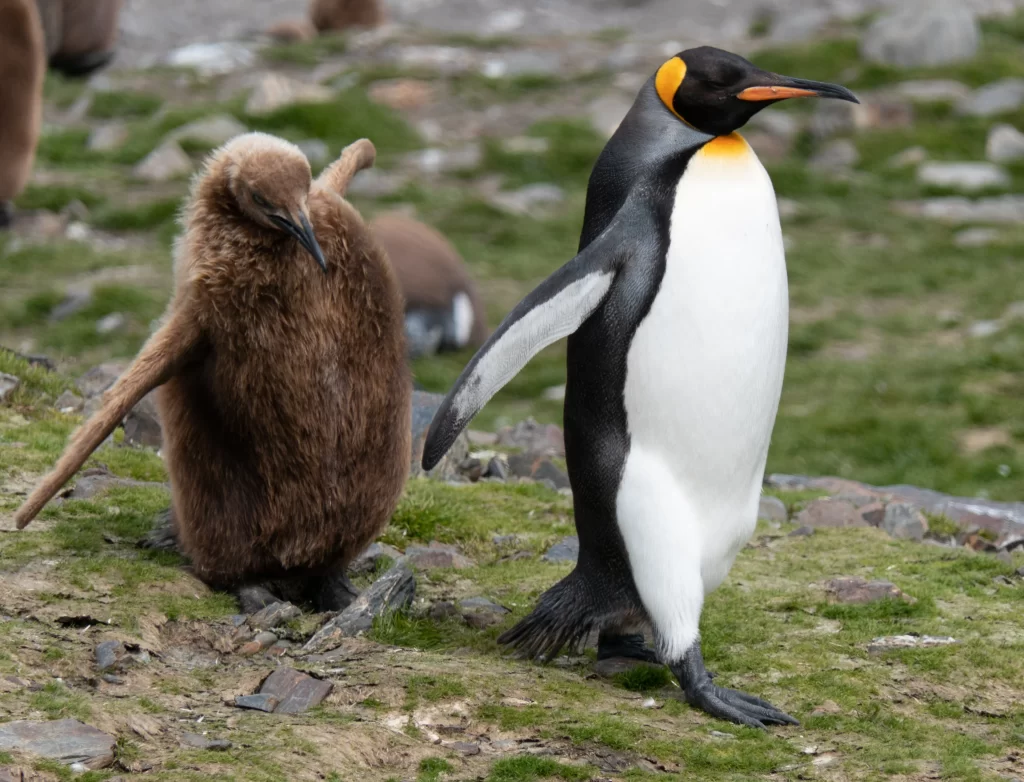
(717, 92)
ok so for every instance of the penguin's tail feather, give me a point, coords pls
(564, 616)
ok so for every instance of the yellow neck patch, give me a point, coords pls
(731, 146)
(667, 81)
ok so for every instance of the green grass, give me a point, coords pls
(528, 768)
(307, 53)
(119, 105)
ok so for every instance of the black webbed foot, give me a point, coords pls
(254, 597)
(333, 591)
(163, 536)
(630, 646)
(721, 702)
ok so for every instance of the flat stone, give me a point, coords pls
(8, 385)
(316, 151)
(210, 131)
(933, 90)
(442, 609)
(526, 145)
(967, 176)
(198, 741)
(108, 654)
(258, 702)
(998, 97)
(890, 642)
(166, 162)
(424, 405)
(497, 468)
(802, 532)
(1005, 144)
(976, 237)
(445, 161)
(401, 94)
(922, 34)
(521, 63)
(99, 378)
(957, 209)
(904, 521)
(853, 589)
(274, 615)
(375, 183)
(393, 591)
(799, 25)
(874, 112)
(772, 509)
(445, 59)
(566, 550)
(437, 555)
(142, 424)
(984, 328)
(368, 561)
(66, 741)
(480, 613)
(607, 112)
(465, 748)
(831, 513)
(538, 468)
(97, 480)
(294, 691)
(108, 324)
(275, 91)
(911, 156)
(836, 155)
(543, 439)
(530, 199)
(107, 137)
(212, 59)
(69, 402)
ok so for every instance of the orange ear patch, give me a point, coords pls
(731, 146)
(667, 81)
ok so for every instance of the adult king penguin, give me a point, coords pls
(676, 308)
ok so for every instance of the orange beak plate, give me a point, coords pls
(774, 93)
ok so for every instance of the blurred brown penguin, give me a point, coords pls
(81, 35)
(284, 392)
(443, 310)
(22, 69)
(327, 15)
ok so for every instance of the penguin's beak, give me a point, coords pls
(772, 87)
(304, 233)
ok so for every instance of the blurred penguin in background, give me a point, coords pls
(443, 310)
(22, 69)
(81, 35)
(330, 16)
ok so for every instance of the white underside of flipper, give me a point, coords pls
(704, 376)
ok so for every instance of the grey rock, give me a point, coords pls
(777, 123)
(375, 553)
(957, 209)
(827, 512)
(772, 509)
(497, 468)
(916, 34)
(108, 654)
(445, 161)
(315, 150)
(967, 176)
(905, 521)
(530, 199)
(537, 468)
(110, 323)
(210, 131)
(166, 162)
(198, 741)
(437, 555)
(375, 183)
(976, 237)
(142, 424)
(212, 59)
(858, 590)
(911, 156)
(999, 97)
(799, 25)
(258, 702)
(96, 480)
(275, 91)
(480, 613)
(274, 615)
(521, 63)
(933, 90)
(424, 405)
(541, 439)
(802, 532)
(607, 112)
(69, 402)
(526, 145)
(511, 539)
(465, 748)
(391, 592)
(890, 642)
(554, 393)
(66, 741)
(1005, 144)
(837, 155)
(8, 385)
(107, 137)
(566, 550)
(75, 301)
(984, 328)
(442, 609)
(446, 59)
(472, 469)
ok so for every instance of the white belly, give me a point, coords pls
(704, 376)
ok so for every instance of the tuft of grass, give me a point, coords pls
(158, 213)
(431, 769)
(123, 104)
(432, 688)
(56, 701)
(644, 678)
(527, 768)
(55, 197)
(307, 52)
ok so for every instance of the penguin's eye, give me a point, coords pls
(261, 202)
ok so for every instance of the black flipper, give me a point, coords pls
(553, 310)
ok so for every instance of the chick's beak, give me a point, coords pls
(304, 233)
(771, 86)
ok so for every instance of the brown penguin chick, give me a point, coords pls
(80, 34)
(22, 68)
(443, 309)
(328, 15)
(284, 393)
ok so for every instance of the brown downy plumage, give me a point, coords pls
(80, 34)
(285, 397)
(329, 15)
(435, 282)
(22, 68)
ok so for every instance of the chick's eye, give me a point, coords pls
(260, 201)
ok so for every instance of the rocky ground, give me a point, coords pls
(884, 616)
